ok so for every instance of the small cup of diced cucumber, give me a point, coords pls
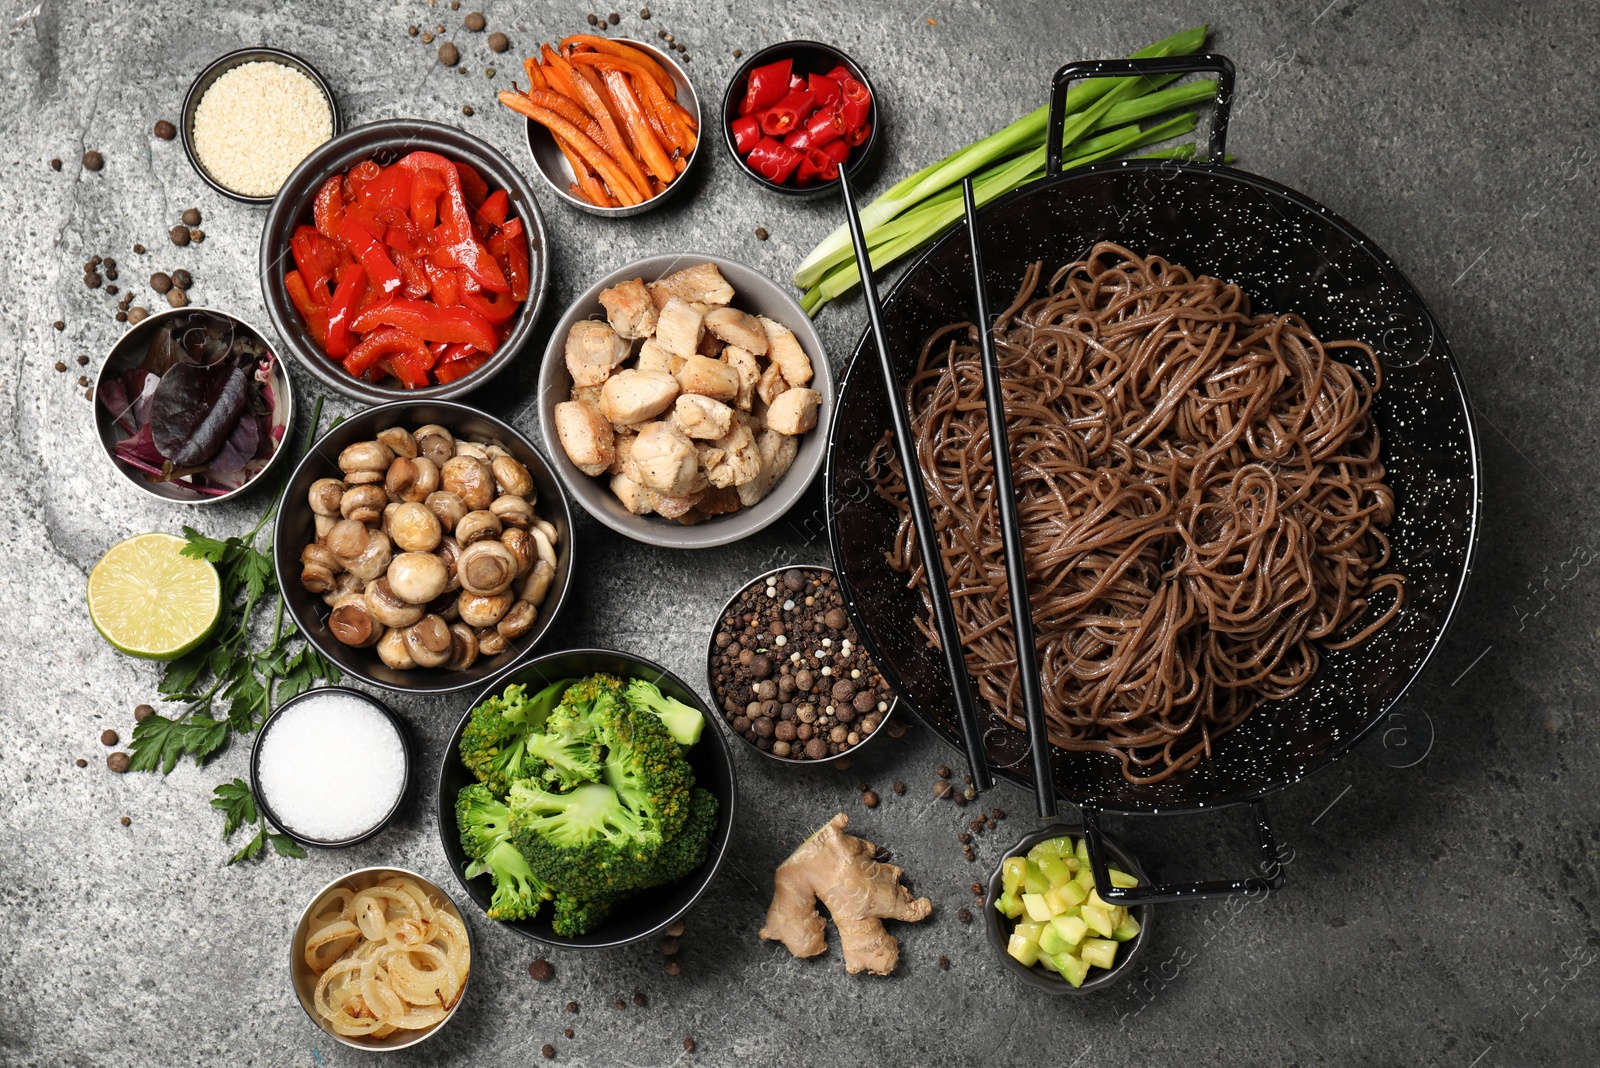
(1053, 927)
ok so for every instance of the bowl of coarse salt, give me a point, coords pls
(250, 118)
(331, 767)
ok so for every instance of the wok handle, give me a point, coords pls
(1221, 66)
(1270, 879)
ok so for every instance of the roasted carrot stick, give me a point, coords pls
(592, 153)
(564, 77)
(655, 102)
(588, 187)
(650, 150)
(536, 78)
(637, 55)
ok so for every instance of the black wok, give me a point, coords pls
(1290, 254)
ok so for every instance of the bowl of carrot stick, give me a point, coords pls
(613, 125)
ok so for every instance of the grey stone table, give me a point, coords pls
(1441, 905)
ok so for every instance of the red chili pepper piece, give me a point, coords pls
(374, 257)
(859, 135)
(457, 245)
(838, 151)
(317, 260)
(378, 344)
(857, 103)
(839, 73)
(826, 124)
(315, 315)
(786, 114)
(328, 210)
(346, 299)
(773, 160)
(460, 368)
(824, 89)
(430, 322)
(766, 86)
(746, 132)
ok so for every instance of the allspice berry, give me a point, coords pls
(541, 971)
(93, 161)
(178, 298)
(191, 217)
(109, 737)
(499, 42)
(449, 55)
(179, 235)
(475, 22)
(118, 762)
(165, 130)
(142, 713)
(161, 281)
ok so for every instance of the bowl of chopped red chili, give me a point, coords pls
(795, 113)
(404, 259)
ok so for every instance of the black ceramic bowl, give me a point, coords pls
(261, 797)
(998, 928)
(208, 77)
(650, 911)
(810, 57)
(387, 142)
(296, 527)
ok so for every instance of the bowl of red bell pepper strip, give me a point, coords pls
(404, 258)
(795, 113)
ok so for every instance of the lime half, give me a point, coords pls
(149, 600)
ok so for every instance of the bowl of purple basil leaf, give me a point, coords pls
(192, 405)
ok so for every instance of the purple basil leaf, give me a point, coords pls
(239, 448)
(195, 410)
(114, 399)
(141, 447)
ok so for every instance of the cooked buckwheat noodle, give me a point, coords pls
(1200, 495)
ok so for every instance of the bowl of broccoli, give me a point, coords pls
(584, 801)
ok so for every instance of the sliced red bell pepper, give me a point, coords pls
(824, 89)
(473, 187)
(314, 315)
(411, 366)
(494, 209)
(773, 160)
(459, 368)
(416, 284)
(859, 135)
(766, 86)
(746, 132)
(495, 307)
(378, 344)
(391, 187)
(446, 351)
(380, 269)
(427, 186)
(516, 259)
(457, 245)
(787, 114)
(359, 177)
(430, 322)
(346, 298)
(444, 283)
(317, 260)
(328, 209)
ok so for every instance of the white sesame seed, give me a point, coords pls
(883, 706)
(827, 670)
(780, 640)
(855, 673)
(827, 642)
(788, 606)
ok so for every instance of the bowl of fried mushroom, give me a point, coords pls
(423, 546)
(685, 400)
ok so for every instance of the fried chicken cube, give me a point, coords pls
(653, 356)
(637, 396)
(744, 365)
(586, 393)
(786, 353)
(723, 501)
(622, 451)
(671, 507)
(731, 460)
(777, 452)
(701, 417)
(585, 435)
(771, 384)
(678, 328)
(630, 493)
(709, 378)
(629, 309)
(703, 285)
(666, 461)
(593, 351)
(738, 328)
(794, 411)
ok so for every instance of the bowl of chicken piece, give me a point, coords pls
(685, 400)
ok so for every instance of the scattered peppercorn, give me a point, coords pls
(179, 235)
(761, 233)
(621, 1004)
(466, 109)
(55, 165)
(572, 1006)
(138, 250)
(976, 825)
(427, 37)
(138, 314)
(499, 42)
(88, 394)
(967, 779)
(669, 946)
(489, 72)
(942, 771)
(474, 22)
(60, 365)
(182, 279)
(548, 1050)
(111, 291)
(663, 34)
(613, 18)
(688, 1044)
(997, 813)
(593, 18)
(118, 762)
(455, 5)
(83, 361)
(125, 821)
(964, 915)
(899, 787)
(83, 380)
(675, 931)
(969, 794)
(541, 971)
(413, 30)
(161, 281)
(191, 216)
(178, 298)
(142, 713)
(870, 799)
(672, 967)
(92, 280)
(59, 325)
(93, 161)
(941, 788)
(964, 838)
(449, 55)
(568, 1032)
(438, 29)
(121, 317)
(944, 964)
(80, 762)
(639, 998)
(109, 737)
(197, 235)
(644, 12)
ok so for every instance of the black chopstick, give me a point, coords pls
(944, 616)
(1005, 496)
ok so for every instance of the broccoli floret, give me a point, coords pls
(485, 826)
(494, 744)
(578, 915)
(585, 843)
(566, 754)
(683, 722)
(686, 850)
(644, 766)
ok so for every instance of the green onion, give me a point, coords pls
(1100, 106)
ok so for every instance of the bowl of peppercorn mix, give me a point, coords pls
(788, 673)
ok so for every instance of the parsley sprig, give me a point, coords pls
(231, 682)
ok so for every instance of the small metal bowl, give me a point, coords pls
(386, 142)
(553, 167)
(304, 979)
(295, 527)
(128, 352)
(649, 912)
(716, 698)
(998, 927)
(288, 829)
(810, 57)
(754, 293)
(216, 69)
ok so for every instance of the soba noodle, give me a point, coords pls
(1200, 495)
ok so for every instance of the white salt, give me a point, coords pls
(331, 766)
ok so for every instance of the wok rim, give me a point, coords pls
(1280, 777)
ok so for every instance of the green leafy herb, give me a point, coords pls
(230, 683)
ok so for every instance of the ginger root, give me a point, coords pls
(839, 870)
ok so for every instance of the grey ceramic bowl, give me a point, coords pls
(295, 528)
(304, 979)
(553, 167)
(208, 77)
(386, 142)
(129, 352)
(754, 292)
(648, 912)
(998, 927)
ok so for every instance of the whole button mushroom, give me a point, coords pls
(374, 559)
(400, 441)
(513, 511)
(463, 647)
(387, 607)
(428, 641)
(470, 478)
(325, 495)
(411, 479)
(417, 578)
(491, 642)
(520, 542)
(486, 568)
(447, 507)
(351, 623)
(483, 612)
(436, 443)
(347, 540)
(511, 477)
(393, 652)
(477, 526)
(365, 462)
(363, 503)
(537, 586)
(518, 620)
(414, 528)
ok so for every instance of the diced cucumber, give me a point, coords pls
(1073, 893)
(1100, 902)
(1050, 941)
(1085, 879)
(1054, 869)
(1122, 879)
(1010, 905)
(1052, 847)
(1033, 880)
(1098, 919)
(1125, 930)
(1061, 898)
(1082, 850)
(1025, 953)
(1071, 929)
(1046, 963)
(1098, 951)
(1029, 930)
(1037, 909)
(1072, 969)
(1011, 873)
